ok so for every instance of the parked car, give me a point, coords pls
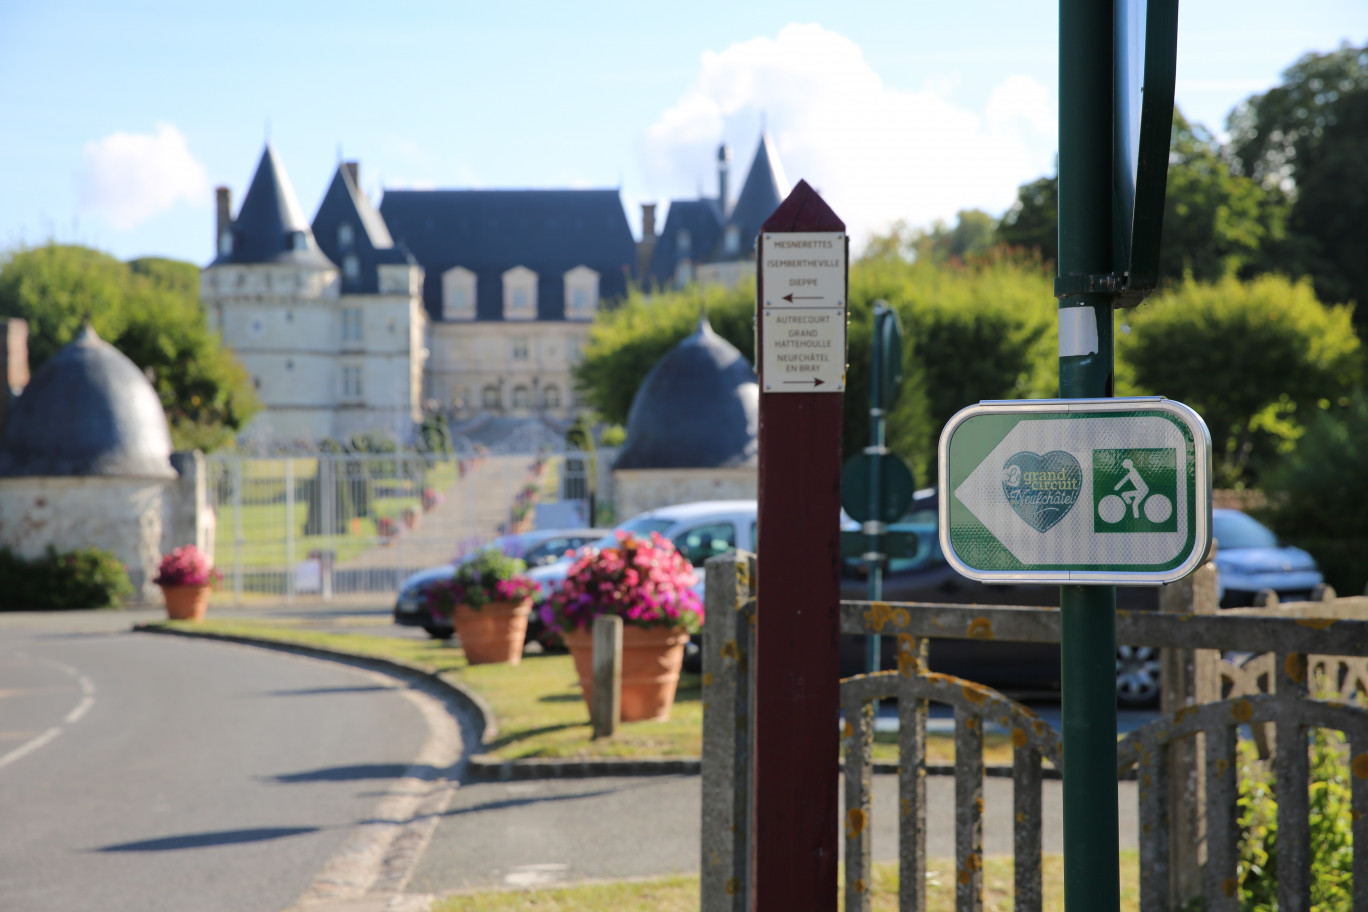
(535, 548)
(1029, 667)
(697, 530)
(1249, 558)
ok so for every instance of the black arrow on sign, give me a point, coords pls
(815, 382)
(790, 298)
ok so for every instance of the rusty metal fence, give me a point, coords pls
(1224, 673)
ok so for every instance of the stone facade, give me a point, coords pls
(638, 490)
(325, 364)
(511, 368)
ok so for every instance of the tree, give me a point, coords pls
(150, 312)
(1215, 221)
(1033, 221)
(1256, 359)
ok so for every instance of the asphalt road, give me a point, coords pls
(144, 773)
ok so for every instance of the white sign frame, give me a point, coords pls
(804, 311)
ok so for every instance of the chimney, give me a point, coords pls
(723, 164)
(646, 246)
(14, 367)
(223, 199)
(354, 169)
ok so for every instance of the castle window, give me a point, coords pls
(520, 348)
(522, 397)
(551, 397)
(684, 242)
(520, 294)
(731, 240)
(345, 235)
(351, 267)
(581, 293)
(298, 241)
(226, 243)
(458, 294)
(351, 382)
(490, 398)
(351, 324)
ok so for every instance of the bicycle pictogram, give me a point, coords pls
(1113, 508)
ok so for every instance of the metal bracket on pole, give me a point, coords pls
(1116, 284)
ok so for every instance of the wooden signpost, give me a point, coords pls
(801, 335)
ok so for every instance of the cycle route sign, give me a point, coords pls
(1076, 491)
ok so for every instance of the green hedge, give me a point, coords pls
(84, 578)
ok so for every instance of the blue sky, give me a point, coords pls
(119, 119)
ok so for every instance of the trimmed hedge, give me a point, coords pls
(84, 578)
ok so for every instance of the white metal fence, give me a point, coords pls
(341, 523)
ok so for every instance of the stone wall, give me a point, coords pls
(638, 490)
(122, 515)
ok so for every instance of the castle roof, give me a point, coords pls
(702, 220)
(492, 231)
(270, 227)
(698, 408)
(368, 240)
(764, 189)
(88, 411)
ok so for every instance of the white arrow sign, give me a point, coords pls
(1110, 491)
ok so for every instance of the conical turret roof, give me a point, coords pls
(88, 411)
(270, 227)
(764, 189)
(698, 408)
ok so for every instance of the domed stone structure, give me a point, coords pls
(89, 411)
(85, 461)
(692, 429)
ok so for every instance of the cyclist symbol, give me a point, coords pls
(1112, 508)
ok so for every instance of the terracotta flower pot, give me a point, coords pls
(186, 603)
(494, 633)
(651, 659)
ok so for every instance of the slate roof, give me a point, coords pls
(764, 189)
(698, 408)
(345, 203)
(88, 411)
(270, 227)
(702, 219)
(491, 231)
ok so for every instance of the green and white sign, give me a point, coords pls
(1076, 491)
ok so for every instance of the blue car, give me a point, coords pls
(1250, 558)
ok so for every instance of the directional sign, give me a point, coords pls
(804, 338)
(1076, 491)
(895, 490)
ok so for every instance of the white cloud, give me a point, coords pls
(877, 153)
(131, 177)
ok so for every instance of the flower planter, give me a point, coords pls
(651, 659)
(186, 603)
(494, 633)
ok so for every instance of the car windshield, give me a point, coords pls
(1236, 530)
(642, 525)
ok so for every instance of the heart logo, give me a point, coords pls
(1042, 489)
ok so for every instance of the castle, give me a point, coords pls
(470, 302)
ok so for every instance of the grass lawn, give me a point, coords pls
(678, 893)
(538, 704)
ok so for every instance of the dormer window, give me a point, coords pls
(581, 293)
(226, 243)
(351, 267)
(731, 240)
(458, 294)
(520, 294)
(345, 235)
(298, 241)
(684, 243)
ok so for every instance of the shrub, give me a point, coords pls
(1318, 495)
(83, 578)
(1331, 827)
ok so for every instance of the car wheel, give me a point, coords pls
(439, 633)
(1137, 676)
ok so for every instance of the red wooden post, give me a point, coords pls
(797, 696)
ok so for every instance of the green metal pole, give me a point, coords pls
(874, 540)
(1088, 649)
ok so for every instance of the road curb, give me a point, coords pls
(487, 768)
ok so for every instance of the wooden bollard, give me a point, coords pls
(606, 709)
